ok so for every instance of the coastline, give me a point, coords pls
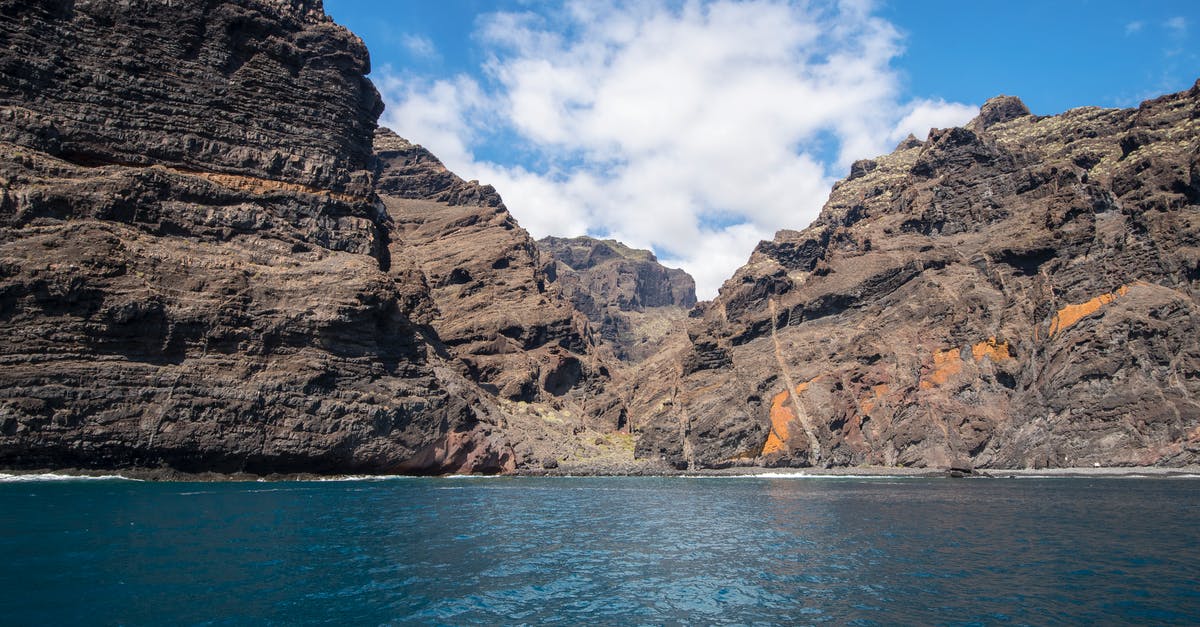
(867, 472)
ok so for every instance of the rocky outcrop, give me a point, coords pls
(1021, 292)
(194, 270)
(212, 260)
(633, 301)
(499, 316)
(271, 89)
(492, 309)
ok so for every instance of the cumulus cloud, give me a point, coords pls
(1177, 32)
(695, 129)
(443, 115)
(419, 46)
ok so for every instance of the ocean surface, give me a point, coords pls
(601, 551)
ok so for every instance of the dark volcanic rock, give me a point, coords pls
(194, 270)
(265, 88)
(212, 260)
(1021, 292)
(517, 339)
(999, 109)
(406, 170)
(634, 300)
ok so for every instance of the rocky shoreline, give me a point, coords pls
(639, 470)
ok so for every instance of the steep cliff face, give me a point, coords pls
(633, 301)
(270, 89)
(212, 259)
(194, 269)
(500, 319)
(517, 339)
(1018, 292)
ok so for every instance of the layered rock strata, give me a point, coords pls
(212, 260)
(269, 89)
(195, 272)
(1020, 292)
(634, 301)
(517, 338)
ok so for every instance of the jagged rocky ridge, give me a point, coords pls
(212, 259)
(1021, 292)
(633, 300)
(493, 308)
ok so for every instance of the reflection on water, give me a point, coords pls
(602, 551)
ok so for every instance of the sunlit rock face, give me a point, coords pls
(494, 309)
(195, 270)
(211, 259)
(634, 301)
(1021, 292)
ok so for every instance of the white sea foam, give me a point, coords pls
(1128, 475)
(50, 476)
(797, 475)
(360, 478)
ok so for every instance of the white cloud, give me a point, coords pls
(695, 129)
(442, 114)
(1134, 27)
(923, 115)
(419, 46)
(1177, 31)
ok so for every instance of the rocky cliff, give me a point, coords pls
(1021, 292)
(632, 300)
(493, 307)
(211, 259)
(195, 270)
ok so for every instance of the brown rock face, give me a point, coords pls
(1018, 293)
(194, 270)
(634, 301)
(212, 260)
(270, 89)
(497, 314)
(493, 311)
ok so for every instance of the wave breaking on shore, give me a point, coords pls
(50, 476)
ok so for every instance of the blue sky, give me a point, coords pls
(697, 128)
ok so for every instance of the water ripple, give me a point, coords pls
(617, 551)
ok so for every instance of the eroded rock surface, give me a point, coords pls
(519, 340)
(212, 260)
(269, 88)
(634, 301)
(194, 270)
(1021, 292)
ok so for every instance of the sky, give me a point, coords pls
(697, 128)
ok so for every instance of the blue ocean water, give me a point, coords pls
(606, 551)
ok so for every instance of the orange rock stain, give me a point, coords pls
(877, 392)
(946, 364)
(781, 415)
(255, 185)
(1069, 315)
(992, 349)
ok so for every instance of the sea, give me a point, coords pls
(755, 550)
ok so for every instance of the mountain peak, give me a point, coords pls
(997, 110)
